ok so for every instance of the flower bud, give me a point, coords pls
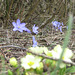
(13, 61)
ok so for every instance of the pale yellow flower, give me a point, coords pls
(30, 61)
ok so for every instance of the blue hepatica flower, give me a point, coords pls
(34, 41)
(35, 29)
(20, 26)
(57, 25)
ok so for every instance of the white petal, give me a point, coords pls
(58, 49)
(67, 59)
(35, 65)
(25, 66)
(55, 55)
(62, 65)
(68, 53)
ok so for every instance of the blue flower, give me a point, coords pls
(60, 28)
(34, 41)
(62, 23)
(57, 25)
(35, 29)
(20, 26)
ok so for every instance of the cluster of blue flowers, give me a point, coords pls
(57, 25)
(21, 27)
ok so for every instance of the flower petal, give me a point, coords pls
(15, 29)
(68, 53)
(14, 24)
(26, 66)
(18, 21)
(26, 29)
(62, 24)
(20, 30)
(22, 24)
(34, 42)
(35, 29)
(35, 65)
(60, 28)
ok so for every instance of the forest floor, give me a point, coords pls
(45, 37)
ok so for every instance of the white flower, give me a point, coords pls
(58, 49)
(37, 49)
(56, 53)
(68, 53)
(30, 62)
(46, 50)
(66, 56)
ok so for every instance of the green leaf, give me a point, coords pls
(10, 72)
(70, 70)
(62, 71)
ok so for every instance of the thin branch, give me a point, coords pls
(51, 18)
(42, 55)
(31, 10)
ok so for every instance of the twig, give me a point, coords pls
(51, 18)
(42, 55)
(31, 10)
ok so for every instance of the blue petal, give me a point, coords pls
(34, 42)
(55, 23)
(22, 25)
(20, 30)
(33, 38)
(14, 24)
(35, 29)
(26, 29)
(15, 29)
(34, 45)
(59, 23)
(62, 24)
(18, 21)
(60, 28)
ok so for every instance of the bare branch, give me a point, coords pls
(42, 55)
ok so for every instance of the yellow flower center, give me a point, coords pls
(30, 63)
(50, 54)
(18, 26)
(63, 58)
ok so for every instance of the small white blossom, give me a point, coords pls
(56, 53)
(67, 52)
(37, 49)
(30, 62)
(66, 56)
